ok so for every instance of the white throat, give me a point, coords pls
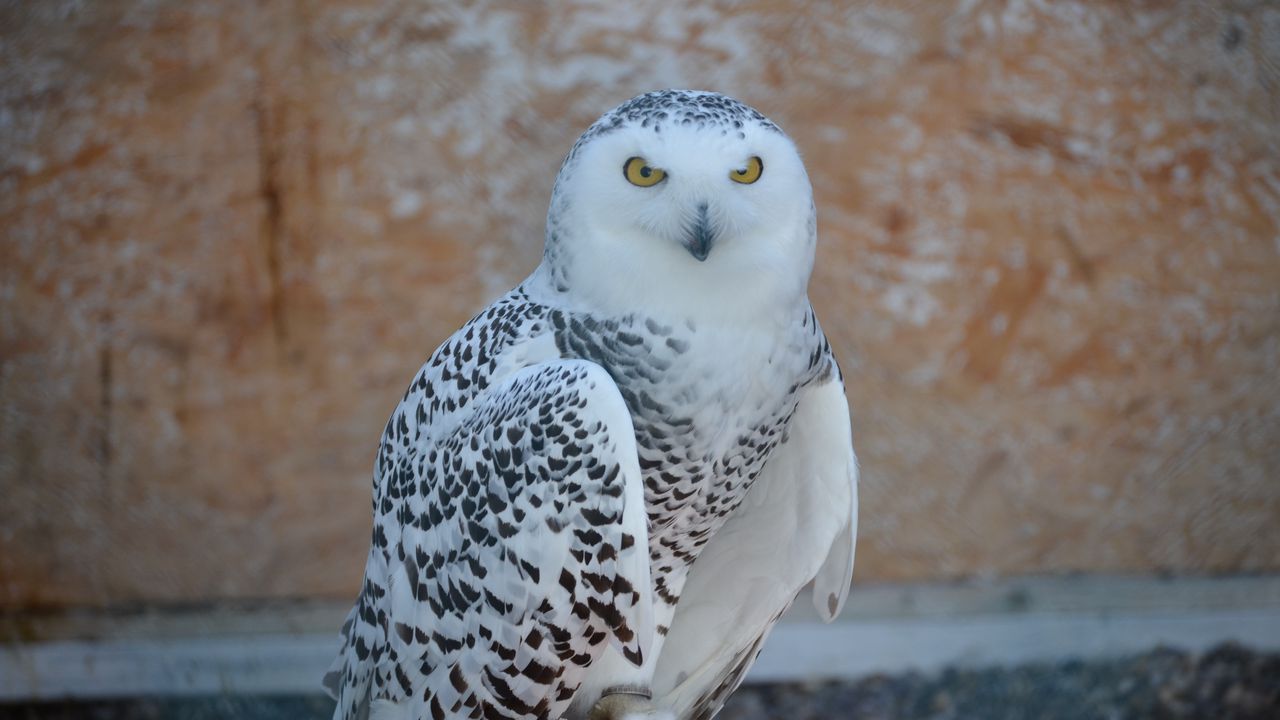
(735, 285)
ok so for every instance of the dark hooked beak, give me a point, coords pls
(701, 236)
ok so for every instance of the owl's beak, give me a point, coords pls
(701, 235)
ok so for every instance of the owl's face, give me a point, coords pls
(684, 189)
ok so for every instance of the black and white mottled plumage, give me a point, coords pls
(597, 497)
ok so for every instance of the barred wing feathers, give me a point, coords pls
(522, 552)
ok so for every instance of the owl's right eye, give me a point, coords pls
(638, 172)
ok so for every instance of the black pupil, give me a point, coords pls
(646, 171)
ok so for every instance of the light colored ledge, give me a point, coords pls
(889, 629)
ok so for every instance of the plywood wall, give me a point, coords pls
(1049, 259)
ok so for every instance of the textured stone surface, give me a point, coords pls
(1228, 683)
(1050, 259)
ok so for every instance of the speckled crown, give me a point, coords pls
(660, 109)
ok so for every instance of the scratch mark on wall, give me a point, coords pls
(266, 121)
(986, 345)
(106, 383)
(1081, 262)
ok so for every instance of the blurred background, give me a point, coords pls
(1049, 261)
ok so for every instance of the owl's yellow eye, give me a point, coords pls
(750, 173)
(638, 172)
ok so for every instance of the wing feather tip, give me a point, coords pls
(332, 684)
(831, 585)
(829, 604)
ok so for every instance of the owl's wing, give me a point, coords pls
(798, 523)
(522, 553)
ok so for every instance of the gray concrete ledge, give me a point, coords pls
(285, 648)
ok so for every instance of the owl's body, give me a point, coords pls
(612, 481)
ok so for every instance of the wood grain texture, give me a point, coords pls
(1049, 259)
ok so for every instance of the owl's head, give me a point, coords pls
(691, 195)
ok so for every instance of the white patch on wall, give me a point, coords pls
(912, 304)
(405, 203)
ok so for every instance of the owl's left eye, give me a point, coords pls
(750, 173)
(638, 172)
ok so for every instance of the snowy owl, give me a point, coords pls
(599, 495)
